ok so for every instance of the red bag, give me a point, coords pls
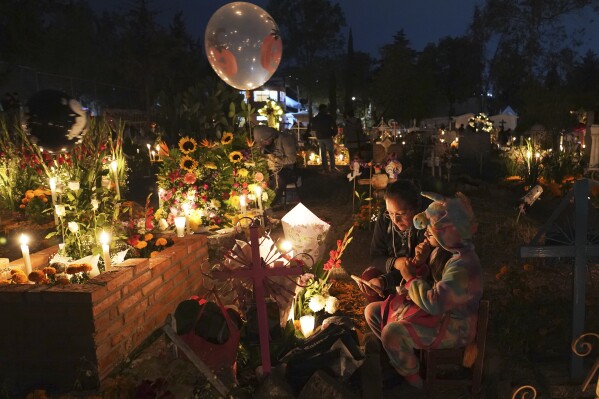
(399, 307)
(216, 356)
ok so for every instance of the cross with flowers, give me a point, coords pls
(258, 272)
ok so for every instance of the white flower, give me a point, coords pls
(331, 305)
(163, 224)
(73, 185)
(73, 227)
(316, 303)
(215, 203)
(95, 204)
(60, 210)
(264, 196)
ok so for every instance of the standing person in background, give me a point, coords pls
(353, 134)
(324, 126)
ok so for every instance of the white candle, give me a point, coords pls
(186, 208)
(114, 166)
(243, 204)
(53, 190)
(149, 151)
(24, 240)
(258, 191)
(307, 325)
(180, 225)
(105, 241)
(286, 247)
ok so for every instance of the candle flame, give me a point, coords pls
(24, 239)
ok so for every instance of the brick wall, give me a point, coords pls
(50, 336)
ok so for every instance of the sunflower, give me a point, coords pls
(227, 138)
(188, 163)
(235, 156)
(187, 145)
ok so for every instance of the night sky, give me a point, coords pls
(373, 22)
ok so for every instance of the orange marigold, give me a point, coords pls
(528, 267)
(73, 269)
(64, 280)
(50, 271)
(154, 253)
(141, 245)
(37, 276)
(161, 241)
(19, 278)
(148, 237)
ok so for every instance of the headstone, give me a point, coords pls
(275, 387)
(322, 385)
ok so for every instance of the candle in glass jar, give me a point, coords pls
(24, 240)
(307, 325)
(243, 204)
(180, 225)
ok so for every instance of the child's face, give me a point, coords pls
(430, 238)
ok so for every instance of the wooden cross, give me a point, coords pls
(580, 251)
(258, 271)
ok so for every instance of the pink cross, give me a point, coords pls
(258, 272)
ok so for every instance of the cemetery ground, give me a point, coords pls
(528, 338)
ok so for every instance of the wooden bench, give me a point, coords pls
(433, 361)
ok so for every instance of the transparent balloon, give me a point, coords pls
(243, 45)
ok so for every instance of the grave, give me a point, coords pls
(61, 337)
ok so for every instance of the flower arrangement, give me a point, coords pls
(273, 112)
(206, 181)
(148, 245)
(315, 297)
(36, 206)
(480, 123)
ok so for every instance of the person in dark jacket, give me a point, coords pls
(324, 126)
(395, 238)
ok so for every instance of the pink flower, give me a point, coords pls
(235, 185)
(259, 177)
(166, 195)
(189, 178)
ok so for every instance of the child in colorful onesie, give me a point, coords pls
(456, 295)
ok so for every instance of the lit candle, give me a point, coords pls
(114, 166)
(24, 240)
(53, 190)
(307, 325)
(243, 204)
(186, 208)
(180, 225)
(258, 191)
(105, 242)
(287, 248)
(149, 151)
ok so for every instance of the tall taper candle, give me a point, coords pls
(24, 240)
(243, 204)
(105, 241)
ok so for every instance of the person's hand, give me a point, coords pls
(406, 268)
(422, 252)
(376, 287)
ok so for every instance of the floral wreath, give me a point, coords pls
(480, 123)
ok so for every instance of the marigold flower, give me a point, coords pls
(148, 237)
(50, 271)
(227, 138)
(235, 156)
(22, 206)
(4, 281)
(528, 267)
(188, 163)
(243, 172)
(73, 269)
(19, 278)
(85, 267)
(161, 242)
(37, 276)
(64, 280)
(154, 253)
(29, 194)
(187, 145)
(141, 245)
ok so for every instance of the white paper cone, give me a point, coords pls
(306, 231)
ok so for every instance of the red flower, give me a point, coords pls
(189, 178)
(133, 239)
